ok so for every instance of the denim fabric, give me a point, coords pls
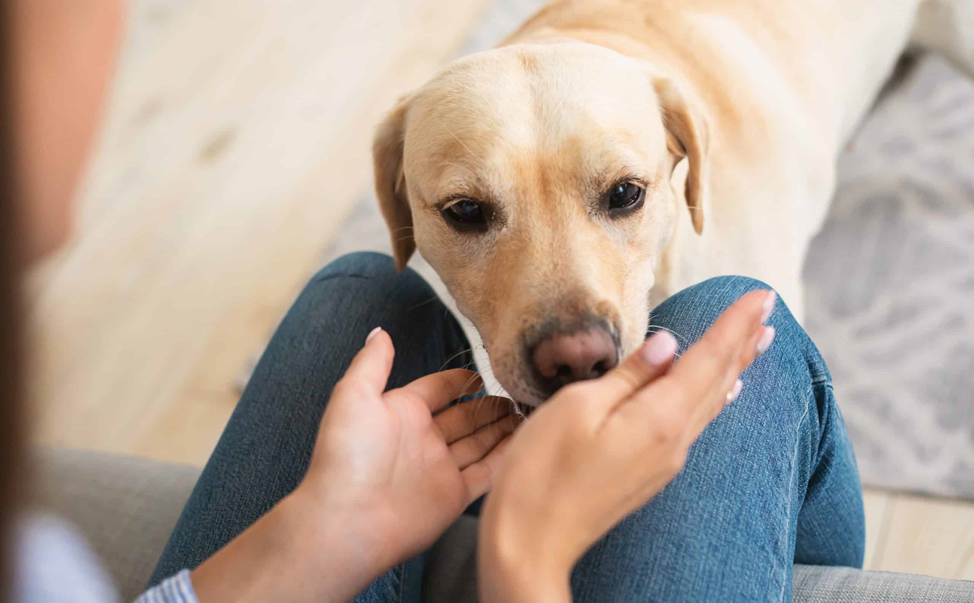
(267, 443)
(771, 482)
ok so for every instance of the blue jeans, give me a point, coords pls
(772, 482)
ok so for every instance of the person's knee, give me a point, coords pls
(691, 311)
(740, 284)
(718, 293)
(361, 264)
(365, 286)
(380, 272)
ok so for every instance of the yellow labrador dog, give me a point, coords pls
(612, 152)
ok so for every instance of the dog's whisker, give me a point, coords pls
(451, 358)
(661, 328)
(517, 410)
(488, 371)
(657, 329)
(497, 389)
(421, 304)
(471, 379)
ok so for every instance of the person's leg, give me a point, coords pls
(265, 448)
(772, 482)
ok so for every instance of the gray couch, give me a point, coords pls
(127, 507)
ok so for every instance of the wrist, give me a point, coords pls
(295, 553)
(517, 564)
(343, 546)
(513, 578)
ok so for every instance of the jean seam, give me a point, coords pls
(794, 463)
(328, 277)
(402, 579)
(826, 389)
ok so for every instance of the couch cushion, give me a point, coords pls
(126, 507)
(845, 585)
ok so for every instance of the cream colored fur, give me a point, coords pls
(731, 113)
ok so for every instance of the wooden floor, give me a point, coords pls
(236, 141)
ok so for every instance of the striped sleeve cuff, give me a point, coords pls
(178, 589)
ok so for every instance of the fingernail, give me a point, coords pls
(372, 334)
(768, 306)
(659, 349)
(766, 340)
(734, 392)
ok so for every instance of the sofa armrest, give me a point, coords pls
(125, 507)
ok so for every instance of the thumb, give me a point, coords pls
(371, 366)
(649, 361)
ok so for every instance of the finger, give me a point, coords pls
(648, 362)
(461, 420)
(467, 451)
(722, 390)
(479, 477)
(680, 404)
(439, 389)
(371, 366)
(714, 362)
(723, 394)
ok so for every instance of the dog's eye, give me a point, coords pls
(625, 196)
(467, 214)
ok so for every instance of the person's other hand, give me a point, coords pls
(399, 467)
(389, 473)
(597, 450)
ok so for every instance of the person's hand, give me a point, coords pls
(392, 470)
(389, 473)
(598, 450)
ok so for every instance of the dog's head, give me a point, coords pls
(536, 180)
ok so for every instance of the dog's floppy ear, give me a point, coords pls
(686, 136)
(390, 182)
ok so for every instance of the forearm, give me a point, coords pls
(293, 554)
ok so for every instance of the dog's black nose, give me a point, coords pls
(563, 358)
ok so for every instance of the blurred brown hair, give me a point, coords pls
(12, 442)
